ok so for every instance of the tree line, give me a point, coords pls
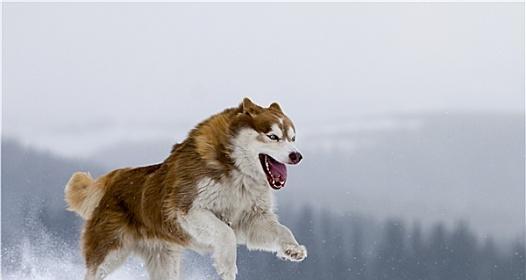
(355, 248)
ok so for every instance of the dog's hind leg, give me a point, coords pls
(112, 261)
(105, 248)
(162, 260)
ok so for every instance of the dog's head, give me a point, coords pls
(264, 142)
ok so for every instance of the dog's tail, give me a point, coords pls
(83, 194)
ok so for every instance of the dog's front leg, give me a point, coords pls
(264, 232)
(208, 230)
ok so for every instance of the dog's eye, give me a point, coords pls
(273, 137)
(293, 138)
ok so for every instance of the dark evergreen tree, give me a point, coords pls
(438, 253)
(339, 265)
(518, 262)
(311, 267)
(358, 261)
(417, 266)
(461, 259)
(327, 245)
(488, 261)
(390, 260)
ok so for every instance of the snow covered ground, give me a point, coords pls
(42, 256)
(62, 263)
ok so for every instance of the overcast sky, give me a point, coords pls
(80, 75)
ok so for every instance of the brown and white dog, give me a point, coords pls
(213, 192)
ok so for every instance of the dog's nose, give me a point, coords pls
(295, 157)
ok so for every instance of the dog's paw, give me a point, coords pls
(292, 252)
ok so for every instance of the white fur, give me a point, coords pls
(274, 129)
(291, 133)
(162, 259)
(206, 229)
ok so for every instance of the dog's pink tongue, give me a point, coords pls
(278, 170)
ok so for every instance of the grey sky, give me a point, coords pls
(80, 75)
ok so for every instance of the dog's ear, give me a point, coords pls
(248, 107)
(275, 106)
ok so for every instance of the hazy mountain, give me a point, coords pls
(435, 167)
(448, 168)
(33, 191)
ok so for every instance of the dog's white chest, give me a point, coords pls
(233, 199)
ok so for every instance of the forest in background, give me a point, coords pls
(354, 247)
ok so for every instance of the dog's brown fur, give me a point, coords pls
(141, 203)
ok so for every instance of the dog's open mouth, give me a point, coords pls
(276, 171)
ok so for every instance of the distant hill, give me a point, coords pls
(448, 168)
(434, 167)
(33, 192)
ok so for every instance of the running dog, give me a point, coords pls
(214, 191)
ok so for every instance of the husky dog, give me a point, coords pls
(214, 191)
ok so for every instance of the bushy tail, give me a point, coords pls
(83, 194)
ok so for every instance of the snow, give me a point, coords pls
(47, 258)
